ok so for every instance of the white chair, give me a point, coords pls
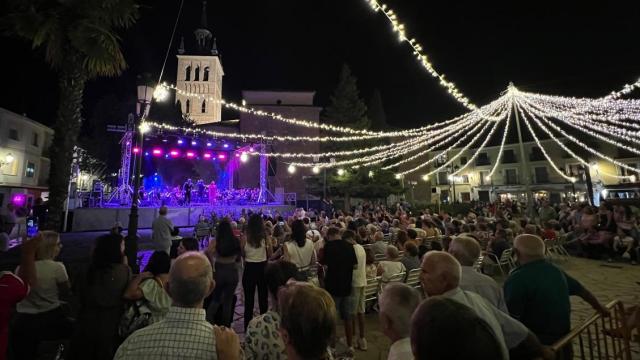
(504, 260)
(413, 279)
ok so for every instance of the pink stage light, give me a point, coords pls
(157, 152)
(19, 200)
(222, 156)
(174, 153)
(207, 155)
(190, 154)
(136, 150)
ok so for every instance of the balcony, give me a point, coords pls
(482, 161)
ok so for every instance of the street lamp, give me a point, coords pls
(145, 94)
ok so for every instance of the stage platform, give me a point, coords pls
(98, 219)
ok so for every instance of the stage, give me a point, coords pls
(98, 219)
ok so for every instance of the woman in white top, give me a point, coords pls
(387, 269)
(300, 250)
(256, 251)
(40, 316)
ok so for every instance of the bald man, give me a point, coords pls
(537, 292)
(467, 250)
(441, 275)
(185, 332)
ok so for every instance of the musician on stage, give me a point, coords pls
(186, 188)
(213, 192)
(200, 187)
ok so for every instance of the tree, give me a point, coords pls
(345, 106)
(80, 42)
(375, 113)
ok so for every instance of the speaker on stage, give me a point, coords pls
(273, 166)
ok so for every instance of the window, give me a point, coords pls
(441, 160)
(205, 76)
(509, 157)
(536, 154)
(482, 159)
(483, 178)
(483, 196)
(541, 175)
(463, 160)
(465, 196)
(573, 169)
(13, 134)
(511, 176)
(204, 106)
(444, 196)
(187, 73)
(196, 76)
(188, 105)
(30, 170)
(443, 178)
(464, 179)
(34, 139)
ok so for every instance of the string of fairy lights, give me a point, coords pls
(610, 119)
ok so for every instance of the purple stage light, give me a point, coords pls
(226, 145)
(222, 156)
(136, 150)
(180, 141)
(193, 142)
(209, 144)
(174, 153)
(207, 155)
(190, 154)
(157, 152)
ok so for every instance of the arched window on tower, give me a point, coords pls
(187, 73)
(205, 76)
(204, 106)
(196, 76)
(188, 105)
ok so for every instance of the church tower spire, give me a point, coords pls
(200, 72)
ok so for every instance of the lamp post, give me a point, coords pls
(145, 94)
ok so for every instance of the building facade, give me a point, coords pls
(24, 165)
(510, 177)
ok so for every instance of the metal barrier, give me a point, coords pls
(593, 343)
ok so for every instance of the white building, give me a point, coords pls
(200, 71)
(24, 165)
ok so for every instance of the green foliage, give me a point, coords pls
(357, 183)
(345, 106)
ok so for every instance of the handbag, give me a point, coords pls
(136, 316)
(304, 272)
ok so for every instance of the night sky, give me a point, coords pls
(302, 44)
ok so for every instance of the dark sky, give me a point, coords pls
(301, 44)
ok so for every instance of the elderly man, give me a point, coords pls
(397, 303)
(184, 333)
(441, 275)
(466, 250)
(537, 292)
(162, 231)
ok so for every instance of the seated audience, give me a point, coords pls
(397, 303)
(392, 266)
(184, 333)
(410, 258)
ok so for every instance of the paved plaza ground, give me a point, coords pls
(606, 281)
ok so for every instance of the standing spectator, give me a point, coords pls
(225, 250)
(308, 321)
(359, 282)
(150, 285)
(184, 333)
(256, 253)
(397, 303)
(467, 250)
(100, 292)
(537, 293)
(40, 315)
(40, 212)
(5, 231)
(163, 231)
(262, 338)
(15, 288)
(300, 250)
(444, 329)
(340, 260)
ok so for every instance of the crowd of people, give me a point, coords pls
(309, 271)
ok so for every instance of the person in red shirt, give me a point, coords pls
(15, 288)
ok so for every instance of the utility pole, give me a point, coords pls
(525, 164)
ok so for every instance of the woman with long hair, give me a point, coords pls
(256, 252)
(150, 286)
(100, 293)
(300, 250)
(224, 251)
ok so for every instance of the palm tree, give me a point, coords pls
(80, 42)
